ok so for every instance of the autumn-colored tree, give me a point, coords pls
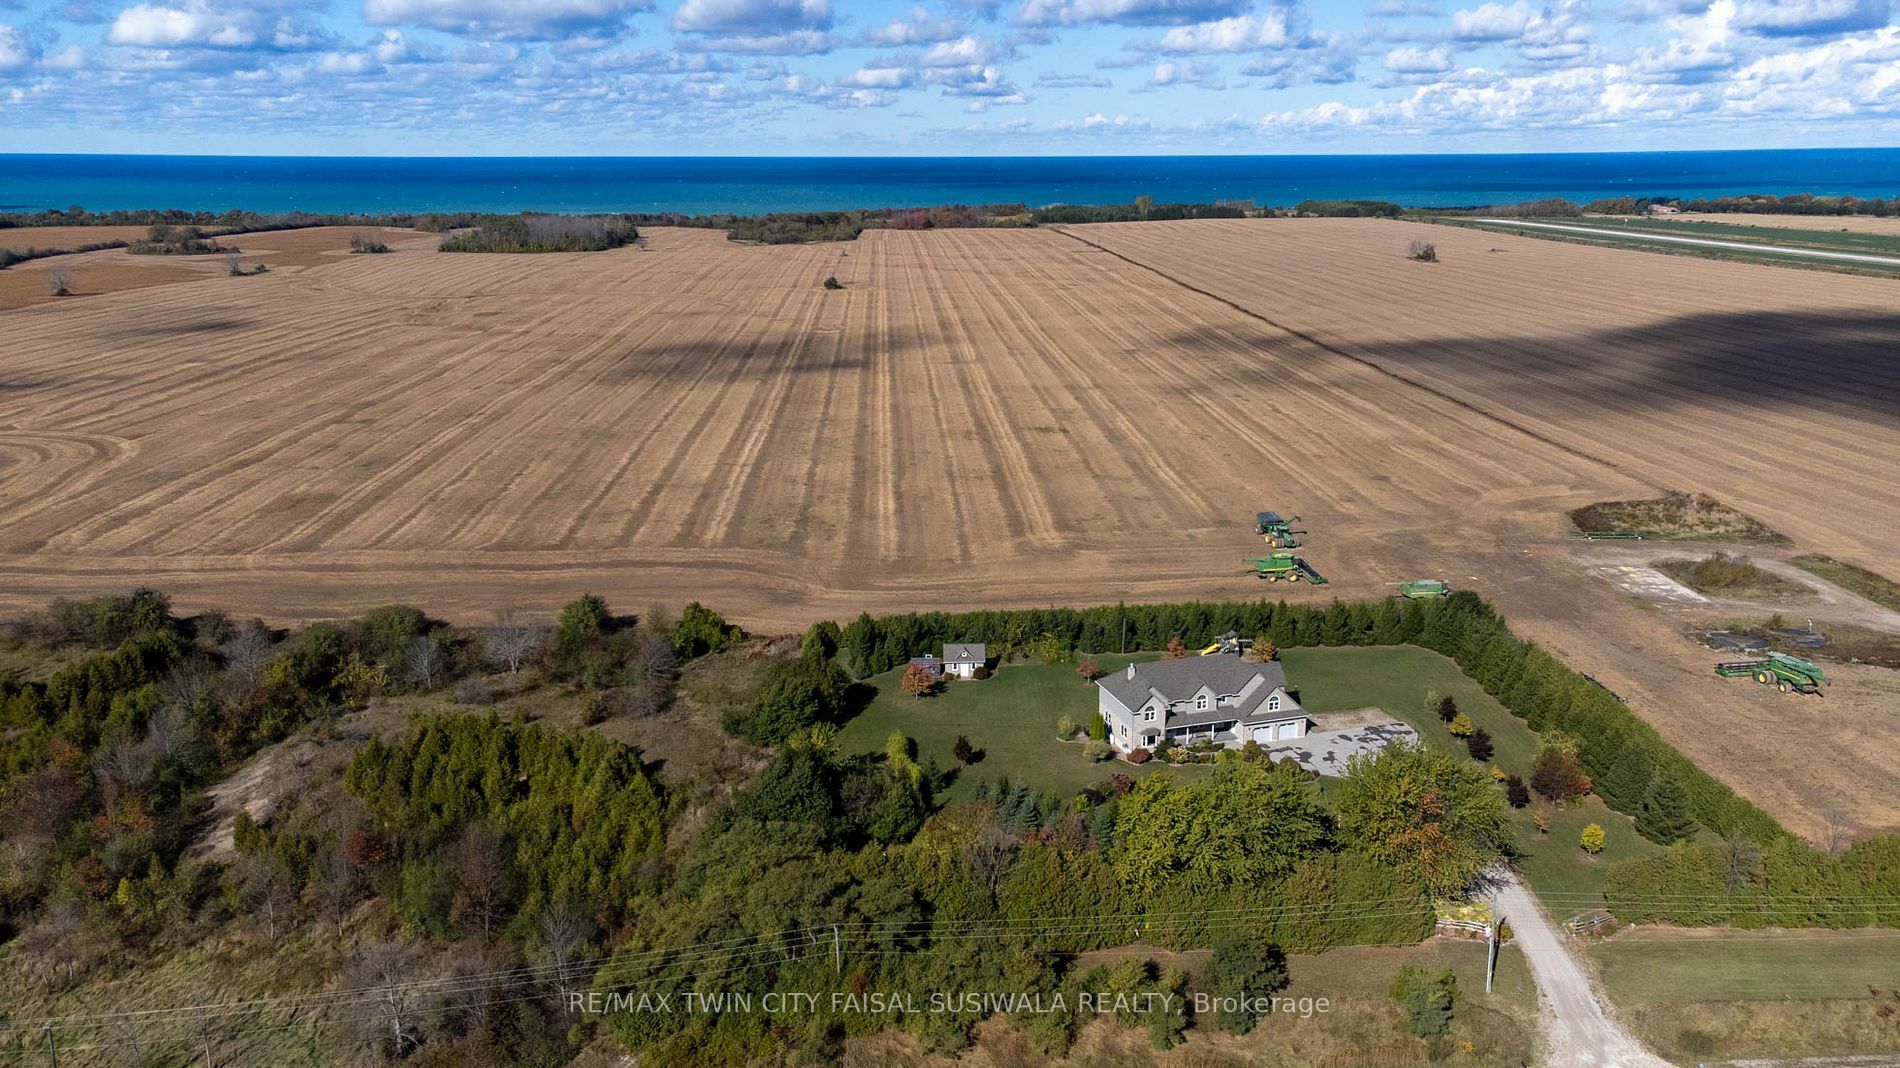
(1175, 650)
(1516, 792)
(1460, 726)
(1263, 651)
(919, 682)
(1089, 668)
(1542, 821)
(1591, 839)
(1558, 776)
(1479, 744)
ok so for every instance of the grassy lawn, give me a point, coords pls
(1708, 995)
(1723, 964)
(1397, 678)
(1011, 718)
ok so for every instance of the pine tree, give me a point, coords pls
(1666, 816)
(1628, 781)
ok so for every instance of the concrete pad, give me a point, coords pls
(1328, 751)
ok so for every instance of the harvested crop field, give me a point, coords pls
(977, 418)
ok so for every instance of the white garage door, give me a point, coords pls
(1287, 730)
(1263, 735)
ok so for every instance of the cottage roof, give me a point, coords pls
(967, 653)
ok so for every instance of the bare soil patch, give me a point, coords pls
(21, 238)
(1722, 575)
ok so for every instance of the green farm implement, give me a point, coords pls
(1275, 531)
(1423, 589)
(1285, 567)
(1789, 674)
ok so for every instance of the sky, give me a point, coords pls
(944, 77)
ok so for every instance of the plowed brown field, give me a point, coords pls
(977, 418)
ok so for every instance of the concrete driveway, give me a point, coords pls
(1328, 751)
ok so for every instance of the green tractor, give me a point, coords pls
(1275, 531)
(1789, 674)
(1423, 589)
(1285, 567)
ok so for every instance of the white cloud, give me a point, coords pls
(752, 18)
(1796, 18)
(15, 52)
(1492, 22)
(1418, 60)
(916, 28)
(883, 77)
(155, 26)
(1126, 12)
(522, 19)
(962, 52)
(789, 43)
(1055, 80)
(1199, 72)
(1243, 33)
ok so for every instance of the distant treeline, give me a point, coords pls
(544, 233)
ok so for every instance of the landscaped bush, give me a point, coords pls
(1138, 756)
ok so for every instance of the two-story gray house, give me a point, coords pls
(1220, 698)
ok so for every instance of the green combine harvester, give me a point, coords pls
(1275, 531)
(1285, 567)
(1789, 674)
(1423, 589)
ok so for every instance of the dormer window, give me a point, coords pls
(1200, 702)
(1273, 703)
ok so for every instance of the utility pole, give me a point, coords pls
(52, 1048)
(837, 950)
(1490, 952)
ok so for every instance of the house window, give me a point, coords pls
(1148, 716)
(1200, 703)
(1273, 703)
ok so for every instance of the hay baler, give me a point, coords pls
(1423, 589)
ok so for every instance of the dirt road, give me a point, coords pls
(1577, 1032)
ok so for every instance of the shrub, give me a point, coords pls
(59, 282)
(982, 672)
(831, 282)
(1460, 726)
(1139, 756)
(1592, 839)
(962, 750)
(1447, 709)
(1245, 969)
(797, 694)
(1422, 251)
(1175, 650)
(1065, 728)
(1098, 728)
(1479, 745)
(1098, 750)
(1428, 998)
(1516, 792)
(366, 244)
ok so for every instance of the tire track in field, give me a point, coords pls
(1032, 518)
(1444, 395)
(1147, 463)
(686, 445)
(759, 421)
(926, 296)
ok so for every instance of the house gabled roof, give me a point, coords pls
(1180, 680)
(966, 653)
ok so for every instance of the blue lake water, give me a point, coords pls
(715, 184)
